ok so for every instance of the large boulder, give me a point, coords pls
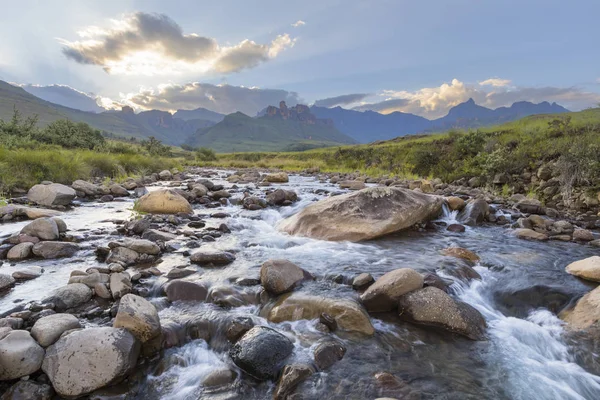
(69, 296)
(586, 311)
(20, 251)
(163, 201)
(588, 268)
(261, 352)
(348, 315)
(384, 294)
(139, 317)
(52, 249)
(431, 306)
(474, 212)
(280, 276)
(47, 330)
(88, 188)
(179, 290)
(363, 215)
(20, 355)
(51, 195)
(89, 359)
(43, 228)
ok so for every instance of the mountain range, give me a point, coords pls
(274, 129)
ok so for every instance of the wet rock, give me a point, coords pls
(178, 273)
(69, 296)
(140, 191)
(51, 195)
(90, 280)
(278, 177)
(433, 307)
(51, 250)
(157, 236)
(163, 201)
(458, 228)
(118, 190)
(384, 294)
(474, 212)
(218, 377)
(328, 353)
(362, 281)
(253, 203)
(238, 327)
(141, 246)
(280, 276)
(120, 284)
(588, 268)
(107, 198)
(228, 296)
(461, 253)
(583, 235)
(455, 203)
(261, 352)
(291, 376)
(122, 255)
(179, 290)
(460, 270)
(530, 234)
(43, 228)
(520, 301)
(139, 317)
(435, 281)
(20, 355)
(212, 257)
(349, 315)
(27, 273)
(28, 390)
(363, 215)
(220, 194)
(110, 353)
(47, 330)
(328, 321)
(280, 196)
(20, 251)
(586, 312)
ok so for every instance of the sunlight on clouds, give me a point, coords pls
(497, 82)
(298, 23)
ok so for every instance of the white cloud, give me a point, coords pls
(496, 82)
(154, 44)
(298, 23)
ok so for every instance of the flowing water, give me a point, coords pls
(523, 285)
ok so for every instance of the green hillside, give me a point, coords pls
(239, 132)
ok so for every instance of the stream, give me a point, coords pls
(523, 286)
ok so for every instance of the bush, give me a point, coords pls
(205, 154)
(70, 135)
(156, 148)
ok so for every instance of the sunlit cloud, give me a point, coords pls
(496, 82)
(343, 100)
(298, 23)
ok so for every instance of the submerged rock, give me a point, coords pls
(363, 215)
(328, 353)
(291, 376)
(384, 294)
(163, 202)
(459, 252)
(588, 268)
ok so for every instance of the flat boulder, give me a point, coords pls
(89, 359)
(47, 330)
(35, 213)
(164, 201)
(530, 234)
(348, 314)
(431, 306)
(363, 215)
(384, 294)
(42, 228)
(212, 257)
(280, 276)
(54, 194)
(261, 352)
(20, 355)
(51, 249)
(588, 268)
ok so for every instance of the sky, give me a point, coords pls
(418, 56)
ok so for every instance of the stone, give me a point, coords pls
(459, 252)
(120, 284)
(348, 314)
(238, 327)
(90, 280)
(363, 215)
(20, 355)
(280, 276)
(35, 213)
(118, 190)
(43, 228)
(122, 255)
(433, 307)
(529, 206)
(108, 355)
(157, 236)
(458, 228)
(51, 195)
(588, 268)
(384, 294)
(261, 352)
(583, 235)
(474, 213)
(586, 312)
(87, 188)
(279, 196)
(434, 280)
(101, 290)
(212, 257)
(163, 201)
(165, 175)
(50, 249)
(218, 377)
(179, 290)
(69, 296)
(139, 317)
(27, 273)
(352, 185)
(291, 376)
(47, 330)
(362, 281)
(28, 390)
(178, 273)
(278, 177)
(530, 234)
(20, 251)
(328, 353)
(455, 203)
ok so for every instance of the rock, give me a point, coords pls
(348, 314)
(459, 252)
(588, 268)
(165, 175)
(43, 228)
(384, 294)
(328, 353)
(122, 255)
(363, 215)
(139, 317)
(28, 390)
(118, 190)
(544, 172)
(120, 284)
(434, 280)
(586, 312)
(199, 190)
(212, 257)
(583, 235)
(291, 376)
(140, 191)
(530, 206)
(218, 377)
(87, 188)
(228, 296)
(238, 327)
(185, 291)
(178, 273)
(27, 273)
(261, 352)
(20, 355)
(51, 195)
(20, 251)
(280, 196)
(47, 330)
(431, 306)
(51, 250)
(109, 354)
(101, 290)
(456, 228)
(362, 281)
(595, 243)
(90, 280)
(352, 185)
(280, 276)
(278, 177)
(35, 213)
(474, 213)
(163, 201)
(69, 296)
(157, 236)
(530, 234)
(455, 203)
(60, 223)
(220, 194)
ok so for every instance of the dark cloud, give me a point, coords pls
(65, 96)
(342, 100)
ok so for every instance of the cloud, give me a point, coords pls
(496, 82)
(154, 44)
(224, 99)
(342, 100)
(435, 102)
(64, 95)
(298, 23)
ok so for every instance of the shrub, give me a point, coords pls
(205, 154)
(70, 135)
